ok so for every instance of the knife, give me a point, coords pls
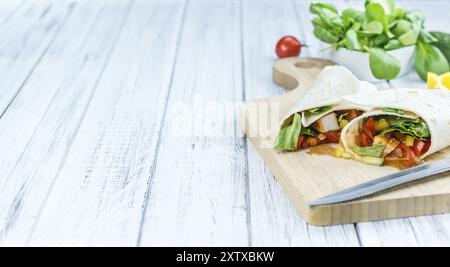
(384, 183)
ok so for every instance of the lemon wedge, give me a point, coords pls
(432, 80)
(445, 80)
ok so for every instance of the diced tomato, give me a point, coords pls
(299, 141)
(370, 125)
(409, 153)
(364, 139)
(333, 136)
(421, 147)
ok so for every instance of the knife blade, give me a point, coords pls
(384, 183)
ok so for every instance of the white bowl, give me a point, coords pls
(358, 62)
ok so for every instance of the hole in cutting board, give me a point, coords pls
(306, 64)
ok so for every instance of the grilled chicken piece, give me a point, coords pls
(327, 123)
(390, 143)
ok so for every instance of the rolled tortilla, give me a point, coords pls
(327, 90)
(433, 106)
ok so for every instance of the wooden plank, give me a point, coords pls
(273, 219)
(25, 39)
(100, 192)
(197, 192)
(40, 124)
(8, 8)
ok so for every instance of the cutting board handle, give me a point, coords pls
(297, 73)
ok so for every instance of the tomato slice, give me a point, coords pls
(421, 147)
(364, 139)
(299, 141)
(333, 136)
(409, 153)
(370, 126)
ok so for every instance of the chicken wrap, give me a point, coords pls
(402, 128)
(320, 115)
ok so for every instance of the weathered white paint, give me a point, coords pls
(100, 192)
(25, 36)
(89, 156)
(197, 192)
(48, 110)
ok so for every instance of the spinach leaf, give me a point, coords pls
(375, 11)
(328, 13)
(401, 26)
(393, 44)
(351, 40)
(409, 38)
(429, 59)
(374, 27)
(324, 35)
(443, 43)
(288, 136)
(355, 15)
(388, 5)
(415, 127)
(383, 65)
(394, 110)
(426, 37)
(316, 8)
(308, 131)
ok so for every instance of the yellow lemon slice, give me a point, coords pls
(432, 80)
(445, 80)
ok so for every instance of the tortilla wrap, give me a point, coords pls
(328, 89)
(325, 96)
(433, 106)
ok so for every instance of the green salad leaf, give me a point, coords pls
(415, 127)
(429, 59)
(383, 65)
(372, 151)
(394, 110)
(382, 27)
(288, 136)
(443, 43)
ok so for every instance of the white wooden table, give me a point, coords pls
(89, 95)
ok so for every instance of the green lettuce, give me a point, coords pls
(288, 136)
(415, 127)
(372, 151)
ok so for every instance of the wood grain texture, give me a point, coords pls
(45, 115)
(86, 126)
(25, 39)
(100, 191)
(197, 193)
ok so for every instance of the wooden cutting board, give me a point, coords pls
(311, 174)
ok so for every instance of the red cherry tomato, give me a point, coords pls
(420, 147)
(288, 46)
(364, 139)
(333, 137)
(409, 153)
(370, 126)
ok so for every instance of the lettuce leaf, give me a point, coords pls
(288, 136)
(372, 151)
(415, 127)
